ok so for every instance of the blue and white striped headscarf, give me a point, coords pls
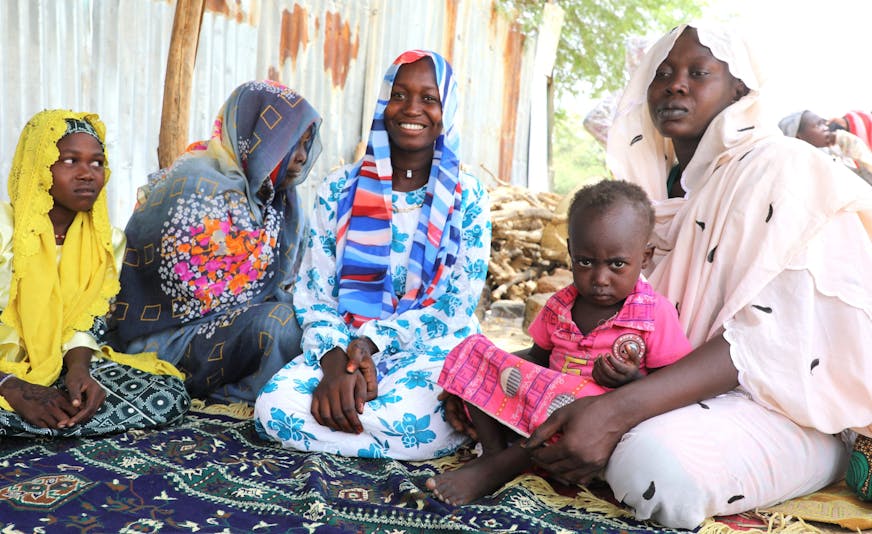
(364, 214)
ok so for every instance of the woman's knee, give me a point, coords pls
(648, 475)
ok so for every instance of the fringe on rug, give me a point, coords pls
(583, 499)
(239, 410)
(777, 524)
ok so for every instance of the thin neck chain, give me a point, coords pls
(407, 209)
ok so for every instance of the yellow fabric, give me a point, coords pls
(49, 300)
(834, 504)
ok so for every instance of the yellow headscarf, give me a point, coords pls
(49, 300)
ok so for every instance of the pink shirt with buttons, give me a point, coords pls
(647, 320)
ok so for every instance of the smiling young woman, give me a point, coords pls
(395, 263)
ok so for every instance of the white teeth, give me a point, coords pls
(407, 126)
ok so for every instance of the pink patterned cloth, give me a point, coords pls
(521, 394)
(514, 391)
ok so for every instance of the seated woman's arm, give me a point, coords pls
(579, 453)
(316, 302)
(340, 394)
(45, 407)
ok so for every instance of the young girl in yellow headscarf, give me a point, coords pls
(59, 264)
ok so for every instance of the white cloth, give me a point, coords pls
(405, 421)
(769, 243)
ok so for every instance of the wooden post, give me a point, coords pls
(179, 78)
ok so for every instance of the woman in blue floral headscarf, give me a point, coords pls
(212, 247)
(395, 262)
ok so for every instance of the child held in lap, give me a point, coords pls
(606, 329)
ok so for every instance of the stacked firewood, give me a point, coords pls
(526, 241)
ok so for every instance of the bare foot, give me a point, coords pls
(479, 477)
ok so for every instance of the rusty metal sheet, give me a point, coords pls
(109, 56)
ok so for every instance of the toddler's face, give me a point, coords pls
(607, 253)
(78, 175)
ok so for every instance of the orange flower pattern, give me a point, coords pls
(213, 257)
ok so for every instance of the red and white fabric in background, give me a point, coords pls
(860, 124)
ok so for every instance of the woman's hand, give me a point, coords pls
(455, 415)
(339, 396)
(612, 371)
(41, 406)
(359, 353)
(85, 394)
(591, 428)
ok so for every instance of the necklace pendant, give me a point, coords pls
(409, 174)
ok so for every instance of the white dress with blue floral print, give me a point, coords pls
(406, 420)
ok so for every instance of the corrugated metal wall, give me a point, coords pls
(109, 56)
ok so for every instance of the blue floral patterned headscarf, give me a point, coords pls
(364, 214)
(220, 229)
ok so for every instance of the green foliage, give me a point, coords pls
(577, 157)
(590, 56)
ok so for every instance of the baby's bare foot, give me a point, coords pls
(474, 480)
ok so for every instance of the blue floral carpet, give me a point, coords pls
(212, 474)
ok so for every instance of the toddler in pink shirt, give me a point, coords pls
(606, 329)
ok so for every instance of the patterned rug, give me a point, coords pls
(213, 474)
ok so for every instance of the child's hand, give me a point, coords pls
(456, 415)
(86, 395)
(612, 371)
(45, 407)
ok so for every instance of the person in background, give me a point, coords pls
(842, 146)
(213, 247)
(395, 263)
(59, 264)
(856, 122)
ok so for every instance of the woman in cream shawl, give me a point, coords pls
(763, 244)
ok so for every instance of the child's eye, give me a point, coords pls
(582, 262)
(699, 73)
(618, 264)
(430, 98)
(397, 96)
(97, 163)
(68, 161)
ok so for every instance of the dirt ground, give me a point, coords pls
(507, 334)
